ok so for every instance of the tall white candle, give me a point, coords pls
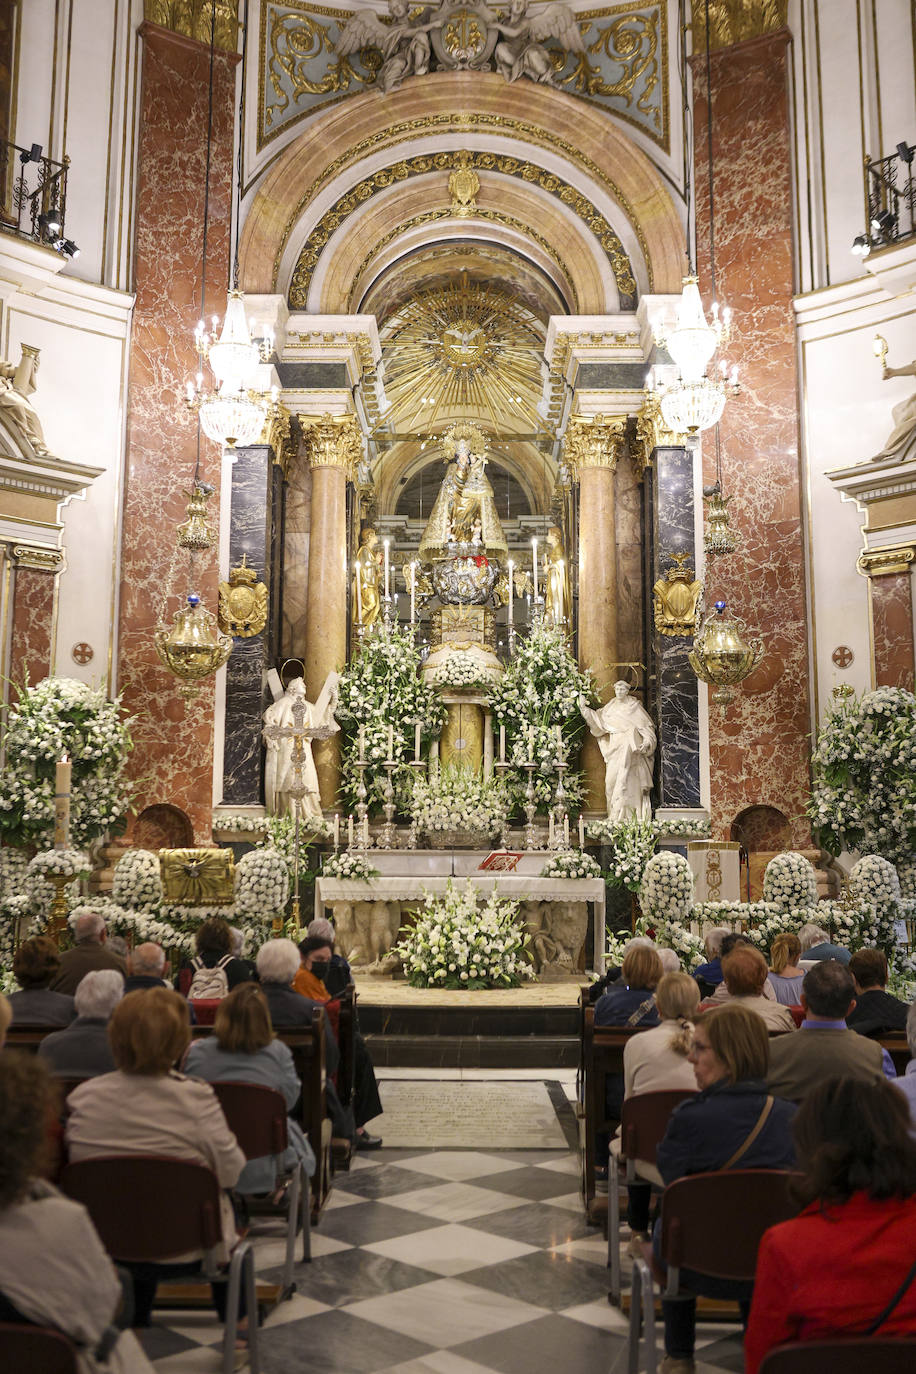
(336, 829)
(550, 830)
(387, 570)
(566, 831)
(62, 782)
(531, 744)
(359, 596)
(365, 832)
(350, 831)
(559, 735)
(502, 742)
(416, 742)
(362, 744)
(581, 832)
(534, 556)
(413, 592)
(391, 741)
(510, 605)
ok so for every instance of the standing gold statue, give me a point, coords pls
(367, 582)
(556, 582)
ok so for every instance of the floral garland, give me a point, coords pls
(666, 890)
(63, 716)
(349, 865)
(571, 863)
(380, 688)
(462, 670)
(457, 799)
(253, 825)
(540, 690)
(455, 944)
(789, 881)
(863, 794)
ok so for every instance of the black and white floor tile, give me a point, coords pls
(442, 1262)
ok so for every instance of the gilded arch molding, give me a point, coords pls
(461, 103)
(421, 164)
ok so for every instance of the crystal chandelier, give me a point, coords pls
(232, 412)
(695, 402)
(721, 655)
(193, 648)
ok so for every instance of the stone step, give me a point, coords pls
(471, 1051)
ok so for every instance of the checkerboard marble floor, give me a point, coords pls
(443, 1262)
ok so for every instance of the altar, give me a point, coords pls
(405, 876)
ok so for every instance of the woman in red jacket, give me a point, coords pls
(846, 1266)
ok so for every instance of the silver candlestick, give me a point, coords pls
(362, 805)
(418, 765)
(559, 805)
(387, 833)
(530, 807)
(502, 768)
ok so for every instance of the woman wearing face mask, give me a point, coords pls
(315, 952)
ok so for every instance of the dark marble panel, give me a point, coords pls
(313, 376)
(677, 687)
(611, 376)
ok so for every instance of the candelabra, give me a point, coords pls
(530, 804)
(559, 806)
(362, 806)
(387, 836)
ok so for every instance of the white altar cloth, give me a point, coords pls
(406, 875)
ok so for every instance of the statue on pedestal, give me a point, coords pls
(901, 442)
(463, 520)
(627, 740)
(556, 582)
(17, 382)
(367, 582)
(288, 767)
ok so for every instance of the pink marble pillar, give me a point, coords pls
(173, 754)
(759, 747)
(32, 623)
(892, 627)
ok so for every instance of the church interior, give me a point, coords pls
(458, 517)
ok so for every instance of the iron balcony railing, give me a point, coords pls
(34, 196)
(890, 196)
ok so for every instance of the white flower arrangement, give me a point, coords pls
(349, 865)
(863, 794)
(789, 881)
(571, 863)
(457, 799)
(253, 825)
(684, 827)
(616, 942)
(60, 863)
(280, 836)
(666, 890)
(62, 716)
(462, 670)
(671, 933)
(538, 691)
(261, 885)
(632, 843)
(382, 687)
(137, 881)
(875, 880)
(455, 944)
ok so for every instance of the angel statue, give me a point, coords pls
(404, 44)
(521, 51)
(17, 382)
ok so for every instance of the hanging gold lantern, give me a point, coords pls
(195, 534)
(193, 649)
(721, 655)
(718, 537)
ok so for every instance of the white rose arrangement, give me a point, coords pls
(261, 885)
(137, 882)
(61, 716)
(254, 825)
(863, 793)
(455, 944)
(571, 863)
(789, 882)
(457, 799)
(875, 880)
(60, 863)
(461, 670)
(349, 865)
(666, 891)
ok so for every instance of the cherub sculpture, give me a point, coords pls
(404, 43)
(521, 49)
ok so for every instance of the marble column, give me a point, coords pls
(31, 612)
(890, 588)
(254, 532)
(676, 684)
(592, 448)
(759, 747)
(172, 761)
(333, 445)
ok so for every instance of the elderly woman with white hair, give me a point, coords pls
(82, 1050)
(816, 944)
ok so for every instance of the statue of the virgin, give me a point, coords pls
(463, 519)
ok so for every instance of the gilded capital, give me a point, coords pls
(38, 558)
(280, 435)
(333, 441)
(194, 19)
(881, 562)
(651, 433)
(734, 21)
(594, 441)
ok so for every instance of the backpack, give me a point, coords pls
(209, 983)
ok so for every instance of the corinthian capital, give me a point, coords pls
(594, 441)
(333, 441)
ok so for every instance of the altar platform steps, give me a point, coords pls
(469, 1036)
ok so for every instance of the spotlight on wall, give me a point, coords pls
(68, 248)
(50, 224)
(861, 246)
(884, 223)
(905, 152)
(32, 154)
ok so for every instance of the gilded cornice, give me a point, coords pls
(333, 441)
(194, 19)
(594, 441)
(881, 562)
(384, 177)
(734, 21)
